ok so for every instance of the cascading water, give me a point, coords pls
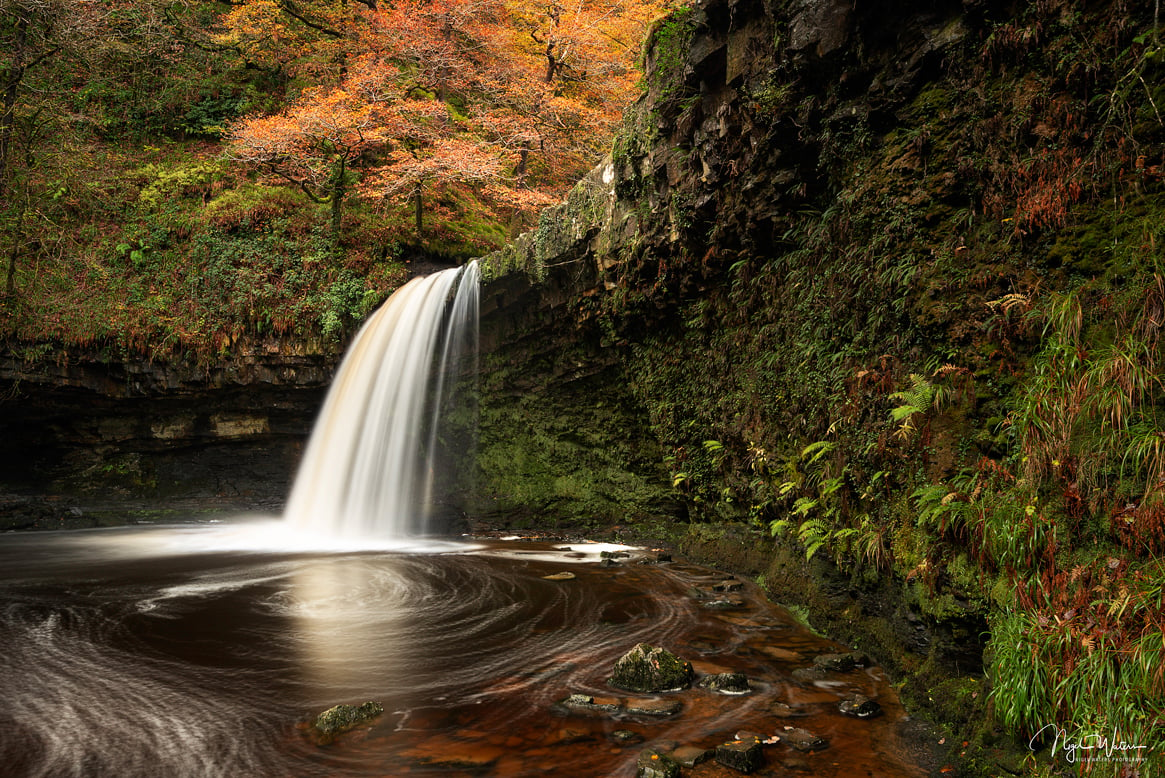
(368, 470)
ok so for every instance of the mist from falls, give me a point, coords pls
(374, 456)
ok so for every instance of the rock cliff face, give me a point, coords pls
(859, 272)
(99, 435)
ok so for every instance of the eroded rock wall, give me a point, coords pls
(858, 266)
(85, 437)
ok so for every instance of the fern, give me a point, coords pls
(813, 534)
(815, 451)
(779, 527)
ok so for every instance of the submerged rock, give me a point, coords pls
(654, 707)
(563, 576)
(585, 703)
(809, 674)
(338, 720)
(626, 737)
(860, 706)
(803, 740)
(838, 663)
(690, 756)
(647, 668)
(786, 711)
(726, 683)
(615, 707)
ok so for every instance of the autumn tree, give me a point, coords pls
(576, 68)
(314, 143)
(435, 94)
(34, 36)
(33, 32)
(311, 38)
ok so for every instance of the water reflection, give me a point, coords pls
(202, 651)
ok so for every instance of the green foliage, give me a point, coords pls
(195, 180)
(666, 50)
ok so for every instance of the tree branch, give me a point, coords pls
(289, 8)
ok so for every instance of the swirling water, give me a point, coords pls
(202, 652)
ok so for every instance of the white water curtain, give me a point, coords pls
(365, 472)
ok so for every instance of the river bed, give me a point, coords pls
(205, 650)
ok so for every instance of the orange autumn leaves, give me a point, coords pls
(510, 98)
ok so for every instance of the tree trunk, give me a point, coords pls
(339, 190)
(17, 238)
(418, 211)
(10, 282)
(8, 104)
(337, 213)
(523, 160)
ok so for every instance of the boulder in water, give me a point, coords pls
(744, 756)
(803, 740)
(860, 706)
(726, 683)
(650, 669)
(655, 707)
(839, 663)
(338, 720)
(653, 764)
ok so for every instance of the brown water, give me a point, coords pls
(201, 651)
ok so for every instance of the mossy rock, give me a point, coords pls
(653, 764)
(648, 668)
(338, 720)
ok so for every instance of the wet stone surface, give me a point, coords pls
(653, 764)
(860, 706)
(726, 683)
(744, 756)
(803, 740)
(647, 668)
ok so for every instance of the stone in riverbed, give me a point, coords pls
(626, 737)
(744, 756)
(838, 663)
(809, 674)
(653, 764)
(563, 576)
(690, 756)
(726, 683)
(657, 707)
(341, 718)
(586, 703)
(648, 668)
(787, 711)
(803, 740)
(860, 706)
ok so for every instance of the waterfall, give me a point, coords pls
(370, 463)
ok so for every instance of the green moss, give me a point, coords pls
(648, 668)
(341, 718)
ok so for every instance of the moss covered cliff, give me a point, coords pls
(880, 284)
